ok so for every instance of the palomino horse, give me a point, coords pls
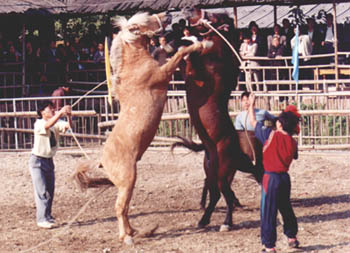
(210, 77)
(141, 87)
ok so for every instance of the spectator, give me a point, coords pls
(276, 33)
(32, 64)
(189, 36)
(13, 55)
(53, 63)
(277, 50)
(59, 92)
(249, 49)
(73, 57)
(314, 35)
(305, 45)
(92, 51)
(51, 53)
(287, 31)
(99, 56)
(152, 45)
(84, 50)
(46, 132)
(257, 38)
(328, 38)
(278, 152)
(162, 52)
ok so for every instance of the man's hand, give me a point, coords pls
(66, 110)
(252, 100)
(251, 111)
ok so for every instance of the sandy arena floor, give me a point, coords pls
(167, 194)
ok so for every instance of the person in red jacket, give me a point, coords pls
(279, 150)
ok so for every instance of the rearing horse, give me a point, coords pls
(210, 76)
(141, 88)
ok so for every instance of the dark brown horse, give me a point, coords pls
(210, 76)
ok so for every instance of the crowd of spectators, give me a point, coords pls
(51, 61)
(313, 38)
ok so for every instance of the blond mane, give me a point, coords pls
(124, 36)
(139, 19)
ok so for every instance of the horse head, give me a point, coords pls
(142, 25)
(202, 22)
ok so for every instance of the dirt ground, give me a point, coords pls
(167, 194)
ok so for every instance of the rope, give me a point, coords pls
(87, 93)
(248, 84)
(75, 103)
(66, 227)
(207, 23)
(249, 142)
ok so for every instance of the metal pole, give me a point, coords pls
(235, 17)
(15, 123)
(335, 43)
(23, 59)
(275, 14)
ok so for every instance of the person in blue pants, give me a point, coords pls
(278, 152)
(46, 132)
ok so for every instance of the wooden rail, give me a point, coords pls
(34, 114)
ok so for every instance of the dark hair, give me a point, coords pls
(246, 34)
(42, 105)
(245, 94)
(251, 24)
(289, 122)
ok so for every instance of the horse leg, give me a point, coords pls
(225, 188)
(214, 196)
(236, 202)
(125, 191)
(205, 186)
(204, 194)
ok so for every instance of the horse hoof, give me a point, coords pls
(201, 225)
(225, 228)
(128, 240)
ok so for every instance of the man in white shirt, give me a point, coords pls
(46, 132)
(328, 38)
(242, 122)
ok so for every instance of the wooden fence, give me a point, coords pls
(325, 119)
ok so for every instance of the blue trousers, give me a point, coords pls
(43, 177)
(276, 197)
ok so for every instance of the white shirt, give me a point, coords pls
(191, 38)
(310, 34)
(46, 140)
(329, 34)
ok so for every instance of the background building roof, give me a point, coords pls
(30, 6)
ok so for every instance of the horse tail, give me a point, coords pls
(84, 181)
(187, 143)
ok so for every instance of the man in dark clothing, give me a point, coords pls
(162, 52)
(276, 50)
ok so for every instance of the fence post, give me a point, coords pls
(106, 108)
(15, 124)
(299, 99)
